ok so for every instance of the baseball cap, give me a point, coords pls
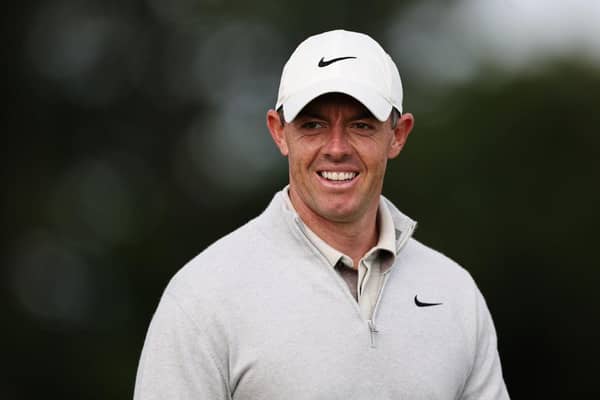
(340, 61)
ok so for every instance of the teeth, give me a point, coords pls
(338, 176)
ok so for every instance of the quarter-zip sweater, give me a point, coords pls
(260, 315)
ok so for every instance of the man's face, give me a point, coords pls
(337, 153)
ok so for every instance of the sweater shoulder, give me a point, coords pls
(224, 255)
(428, 263)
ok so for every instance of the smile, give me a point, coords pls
(338, 176)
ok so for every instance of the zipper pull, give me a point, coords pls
(372, 330)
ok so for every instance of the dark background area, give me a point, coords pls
(134, 137)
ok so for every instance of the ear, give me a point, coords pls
(276, 128)
(401, 132)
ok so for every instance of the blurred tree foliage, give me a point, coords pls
(99, 206)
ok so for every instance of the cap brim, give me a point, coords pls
(371, 99)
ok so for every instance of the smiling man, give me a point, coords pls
(326, 294)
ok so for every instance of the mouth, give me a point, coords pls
(336, 176)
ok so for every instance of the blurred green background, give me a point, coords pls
(134, 137)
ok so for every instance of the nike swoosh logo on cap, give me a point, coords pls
(323, 63)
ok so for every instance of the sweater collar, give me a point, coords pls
(395, 229)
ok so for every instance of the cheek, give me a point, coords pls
(375, 154)
(297, 165)
(302, 153)
(377, 164)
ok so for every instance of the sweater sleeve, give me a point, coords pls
(485, 381)
(178, 360)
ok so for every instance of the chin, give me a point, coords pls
(340, 215)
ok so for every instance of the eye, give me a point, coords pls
(312, 125)
(362, 127)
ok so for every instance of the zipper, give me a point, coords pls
(385, 279)
(373, 331)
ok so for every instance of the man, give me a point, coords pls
(325, 295)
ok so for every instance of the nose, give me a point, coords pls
(337, 146)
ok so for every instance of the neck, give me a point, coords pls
(353, 238)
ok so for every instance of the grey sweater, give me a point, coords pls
(260, 315)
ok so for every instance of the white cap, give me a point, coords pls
(340, 61)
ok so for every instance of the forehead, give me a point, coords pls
(336, 102)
